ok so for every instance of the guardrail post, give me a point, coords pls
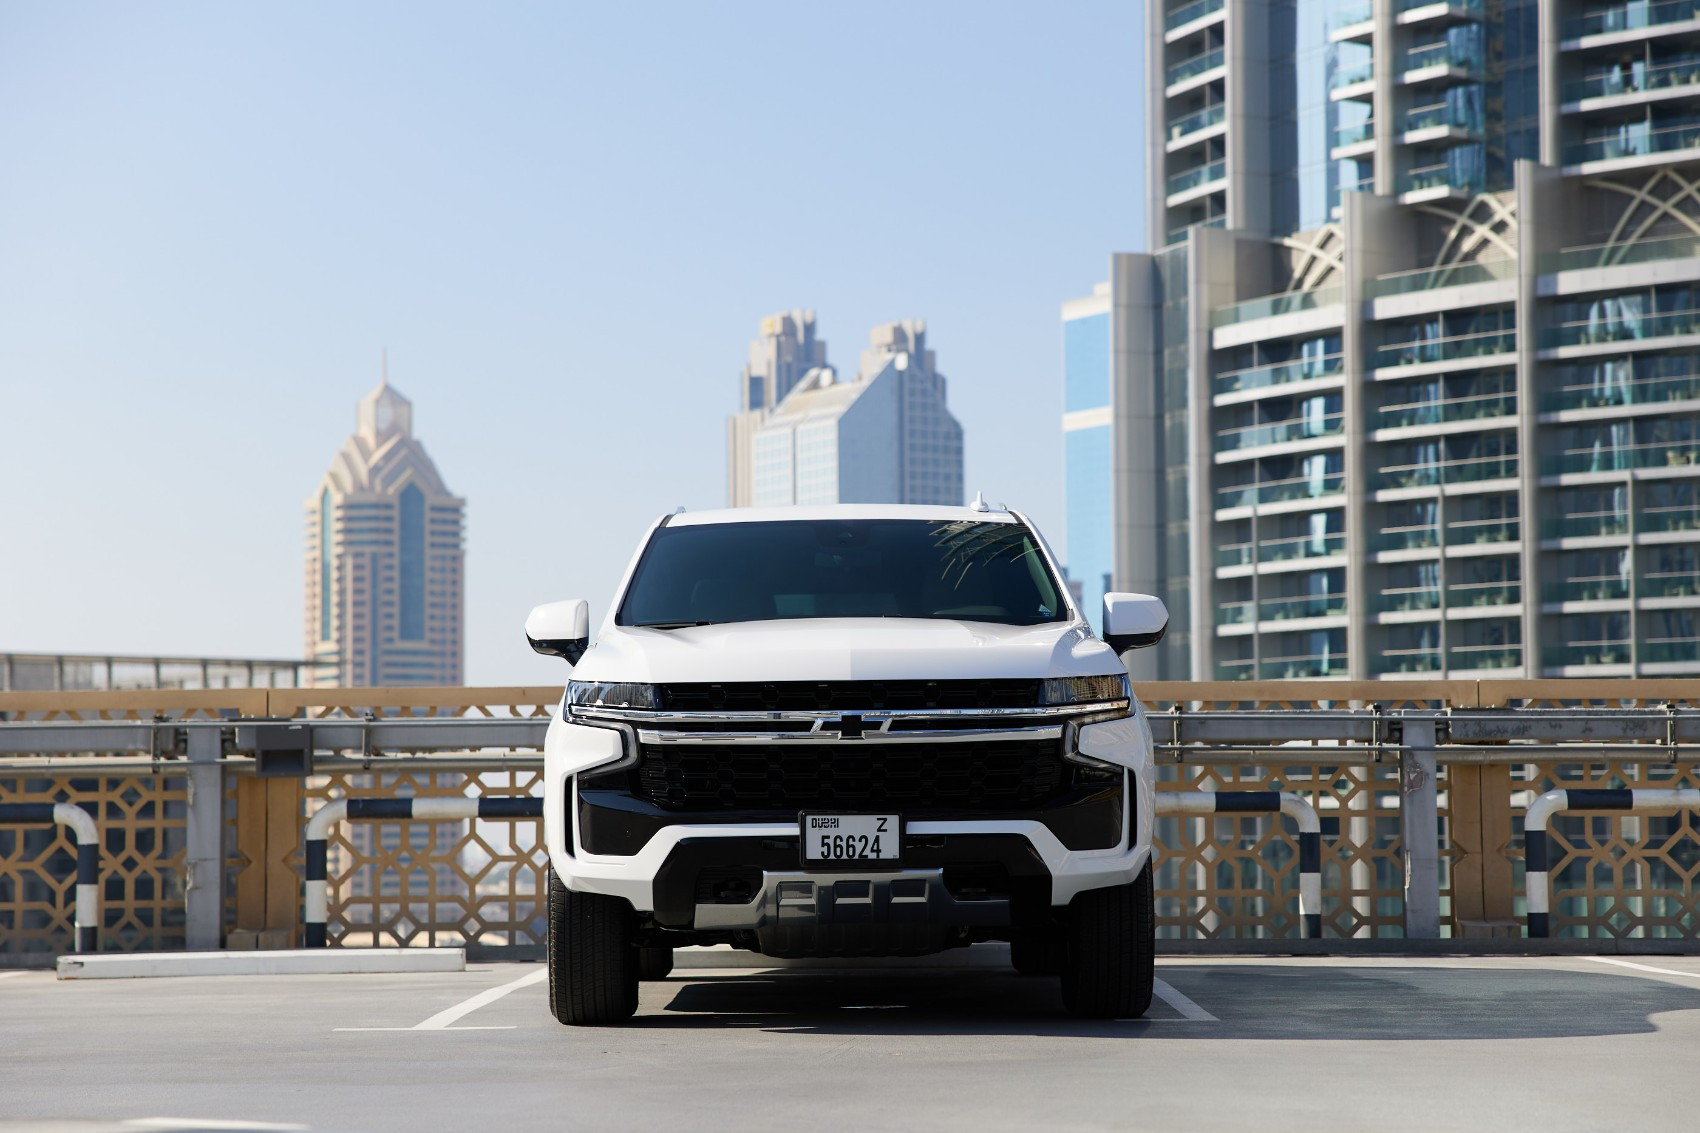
(1419, 829)
(204, 853)
(268, 892)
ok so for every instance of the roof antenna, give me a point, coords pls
(979, 503)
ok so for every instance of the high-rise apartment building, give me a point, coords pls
(883, 436)
(786, 350)
(1412, 385)
(385, 559)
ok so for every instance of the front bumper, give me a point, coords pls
(1060, 872)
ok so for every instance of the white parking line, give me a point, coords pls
(9, 975)
(206, 1123)
(1187, 1008)
(1642, 967)
(441, 1020)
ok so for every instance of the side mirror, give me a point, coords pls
(560, 629)
(1134, 621)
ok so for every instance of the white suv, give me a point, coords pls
(847, 731)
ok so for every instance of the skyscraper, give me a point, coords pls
(1412, 385)
(886, 436)
(385, 559)
(786, 350)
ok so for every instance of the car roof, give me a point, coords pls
(839, 511)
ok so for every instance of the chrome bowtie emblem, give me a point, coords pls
(847, 727)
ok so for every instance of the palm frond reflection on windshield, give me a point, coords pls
(967, 543)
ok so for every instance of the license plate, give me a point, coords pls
(838, 839)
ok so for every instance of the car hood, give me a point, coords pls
(857, 649)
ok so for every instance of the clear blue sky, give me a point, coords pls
(564, 221)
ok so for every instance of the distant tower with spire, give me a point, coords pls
(385, 558)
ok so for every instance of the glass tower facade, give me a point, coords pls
(385, 560)
(1414, 355)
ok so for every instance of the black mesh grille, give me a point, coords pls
(987, 775)
(847, 696)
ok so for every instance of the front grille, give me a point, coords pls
(847, 696)
(985, 775)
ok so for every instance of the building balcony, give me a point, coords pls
(1281, 491)
(1269, 305)
(1623, 458)
(1353, 83)
(1476, 532)
(1445, 411)
(1473, 595)
(1606, 588)
(1440, 63)
(1592, 257)
(1442, 472)
(1199, 177)
(1189, 69)
(1437, 183)
(1617, 394)
(1466, 658)
(1413, 12)
(1668, 520)
(1589, 525)
(1292, 549)
(1281, 432)
(1674, 584)
(1637, 15)
(1422, 659)
(1179, 235)
(1352, 24)
(1421, 537)
(1478, 345)
(1430, 279)
(1579, 653)
(1441, 120)
(1406, 599)
(1189, 14)
(1664, 80)
(1281, 609)
(1670, 651)
(1638, 145)
(1301, 667)
(1281, 373)
(1194, 128)
(1622, 328)
(1354, 139)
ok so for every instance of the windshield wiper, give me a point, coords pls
(670, 625)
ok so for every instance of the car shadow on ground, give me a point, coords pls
(1315, 1002)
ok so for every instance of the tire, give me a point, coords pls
(655, 963)
(593, 966)
(1037, 952)
(1110, 963)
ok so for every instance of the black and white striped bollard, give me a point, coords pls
(1199, 803)
(1537, 850)
(396, 810)
(88, 859)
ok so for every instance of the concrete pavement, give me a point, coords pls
(1417, 1044)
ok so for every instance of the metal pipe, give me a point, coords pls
(88, 859)
(1171, 803)
(431, 809)
(1537, 854)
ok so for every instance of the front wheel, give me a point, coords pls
(1110, 961)
(593, 965)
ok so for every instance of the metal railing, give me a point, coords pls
(1385, 764)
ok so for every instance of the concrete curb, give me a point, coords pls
(282, 962)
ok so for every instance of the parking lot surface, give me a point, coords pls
(1425, 1044)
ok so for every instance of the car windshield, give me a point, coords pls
(965, 570)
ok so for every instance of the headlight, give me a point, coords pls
(1059, 691)
(613, 694)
